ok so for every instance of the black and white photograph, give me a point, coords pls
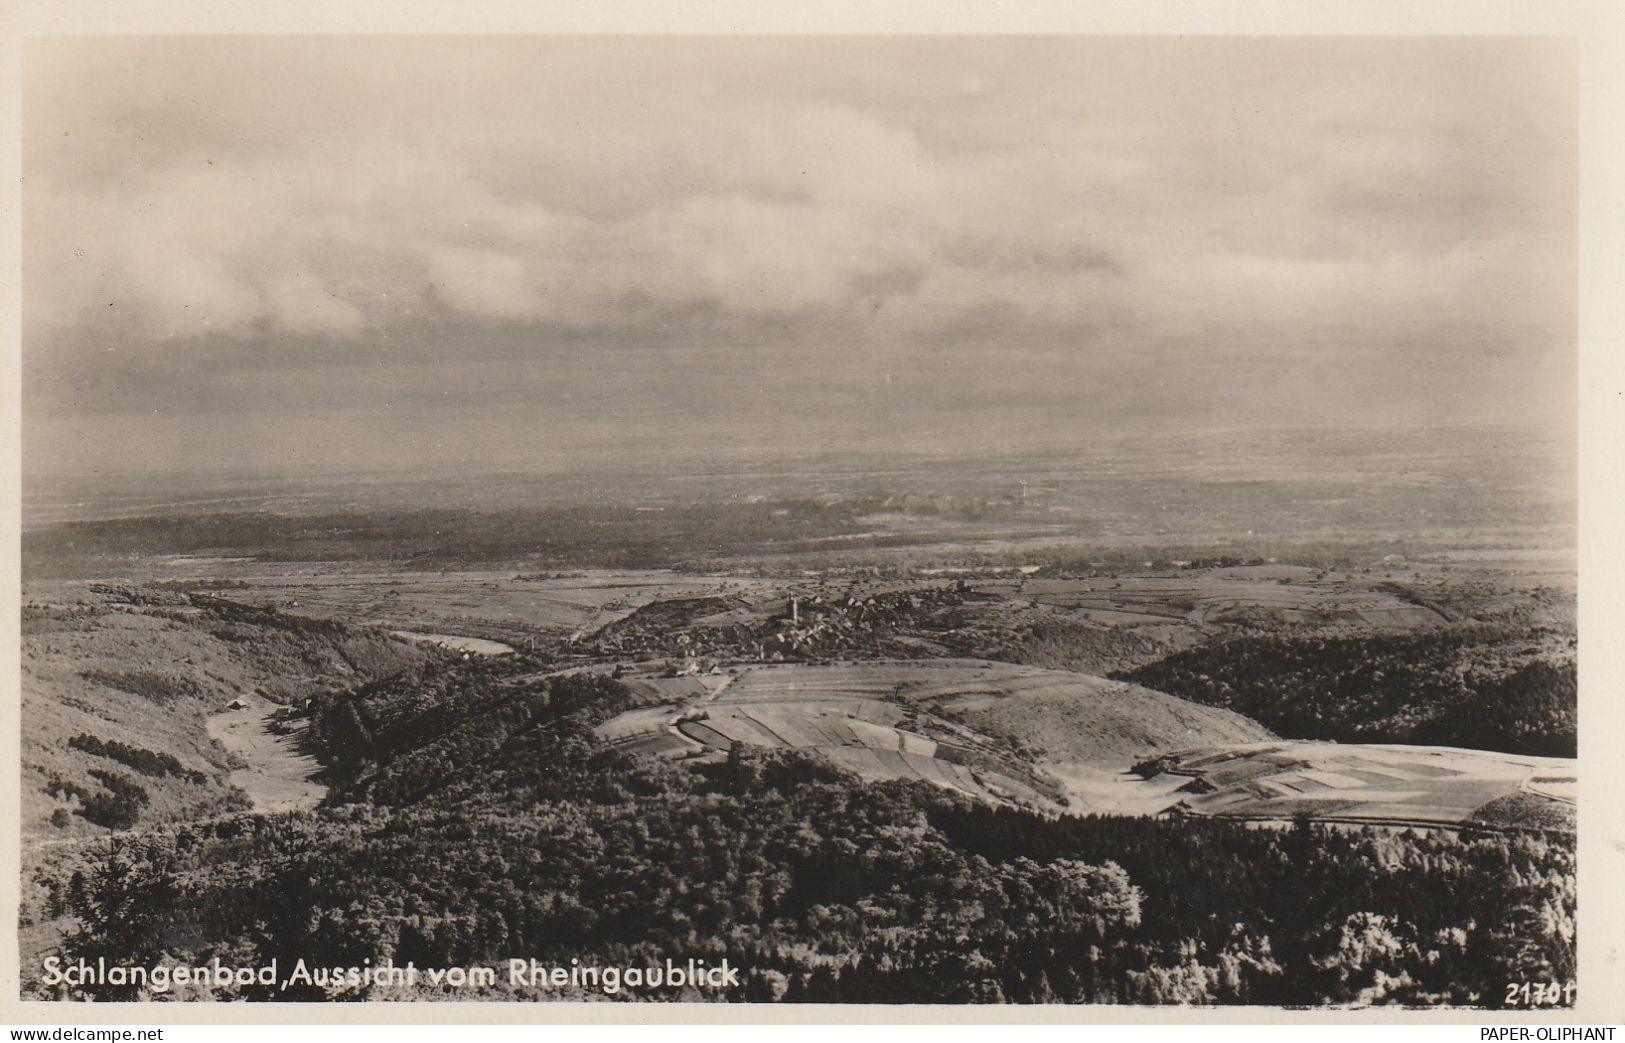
(804, 519)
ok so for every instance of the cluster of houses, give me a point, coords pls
(808, 625)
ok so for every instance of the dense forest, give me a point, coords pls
(476, 818)
(1489, 687)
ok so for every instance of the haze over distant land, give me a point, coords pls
(322, 255)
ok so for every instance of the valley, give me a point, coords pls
(227, 708)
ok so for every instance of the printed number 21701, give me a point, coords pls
(1539, 994)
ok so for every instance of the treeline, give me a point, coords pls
(162, 689)
(1486, 687)
(117, 805)
(483, 821)
(147, 762)
(1083, 647)
(399, 739)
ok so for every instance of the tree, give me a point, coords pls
(126, 907)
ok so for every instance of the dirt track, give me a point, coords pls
(279, 776)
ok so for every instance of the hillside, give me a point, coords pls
(119, 686)
(477, 816)
(1497, 687)
(844, 830)
(1064, 716)
(1410, 785)
(990, 730)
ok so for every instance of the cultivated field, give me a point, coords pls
(983, 728)
(1025, 735)
(502, 606)
(1247, 594)
(1422, 785)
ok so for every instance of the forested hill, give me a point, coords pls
(482, 821)
(1482, 686)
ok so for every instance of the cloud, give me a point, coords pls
(1239, 207)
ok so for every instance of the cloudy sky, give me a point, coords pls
(308, 253)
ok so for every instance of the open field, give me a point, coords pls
(495, 605)
(986, 729)
(983, 728)
(475, 645)
(1282, 594)
(1421, 785)
(874, 670)
(275, 772)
